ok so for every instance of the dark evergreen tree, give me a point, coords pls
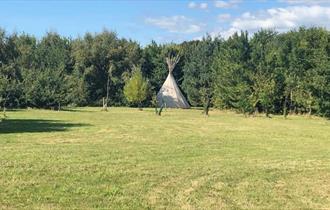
(198, 77)
(231, 69)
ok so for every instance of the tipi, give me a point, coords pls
(169, 94)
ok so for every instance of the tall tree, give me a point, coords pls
(94, 54)
(10, 77)
(231, 69)
(264, 63)
(198, 78)
(47, 84)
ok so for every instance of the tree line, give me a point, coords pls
(267, 72)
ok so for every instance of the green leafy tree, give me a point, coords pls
(10, 87)
(47, 89)
(10, 76)
(230, 66)
(306, 69)
(198, 77)
(46, 78)
(263, 77)
(93, 55)
(136, 88)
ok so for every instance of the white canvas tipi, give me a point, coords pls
(169, 94)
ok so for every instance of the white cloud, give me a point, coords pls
(193, 5)
(222, 4)
(226, 4)
(224, 17)
(225, 33)
(176, 24)
(281, 19)
(309, 2)
(203, 5)
(216, 33)
(172, 38)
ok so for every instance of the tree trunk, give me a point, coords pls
(291, 103)
(105, 101)
(4, 109)
(309, 110)
(255, 111)
(285, 110)
(310, 105)
(140, 106)
(207, 107)
(267, 112)
(160, 110)
(107, 98)
(104, 106)
(206, 111)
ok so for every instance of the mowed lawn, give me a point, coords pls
(130, 159)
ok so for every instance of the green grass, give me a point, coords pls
(130, 159)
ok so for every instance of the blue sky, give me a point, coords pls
(161, 20)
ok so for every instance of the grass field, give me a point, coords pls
(130, 159)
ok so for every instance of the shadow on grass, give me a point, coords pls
(11, 110)
(34, 125)
(75, 110)
(65, 109)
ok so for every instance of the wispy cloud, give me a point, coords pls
(176, 24)
(203, 5)
(306, 2)
(226, 4)
(193, 5)
(224, 17)
(280, 19)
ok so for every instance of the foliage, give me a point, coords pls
(270, 72)
(232, 83)
(136, 88)
(198, 78)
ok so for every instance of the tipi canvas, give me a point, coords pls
(169, 94)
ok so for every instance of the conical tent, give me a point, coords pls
(169, 94)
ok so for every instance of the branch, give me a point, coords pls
(172, 61)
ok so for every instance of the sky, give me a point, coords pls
(160, 20)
